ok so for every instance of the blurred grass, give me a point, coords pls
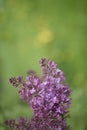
(54, 29)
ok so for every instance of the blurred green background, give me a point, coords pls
(32, 29)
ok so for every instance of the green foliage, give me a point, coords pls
(54, 29)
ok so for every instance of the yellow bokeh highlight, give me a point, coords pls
(44, 37)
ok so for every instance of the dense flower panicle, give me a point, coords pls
(48, 97)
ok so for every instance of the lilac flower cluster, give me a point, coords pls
(48, 97)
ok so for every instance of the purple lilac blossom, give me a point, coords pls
(48, 96)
